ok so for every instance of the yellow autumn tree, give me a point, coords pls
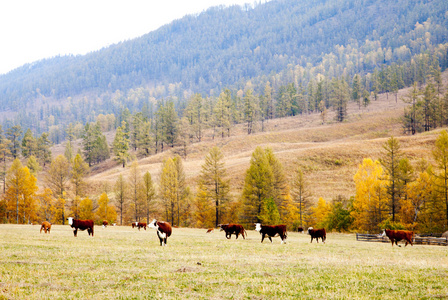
(418, 195)
(204, 212)
(20, 194)
(86, 209)
(320, 213)
(105, 211)
(370, 204)
(46, 205)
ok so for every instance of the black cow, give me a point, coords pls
(230, 229)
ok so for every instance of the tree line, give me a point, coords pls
(391, 192)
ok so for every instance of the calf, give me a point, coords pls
(317, 233)
(81, 225)
(300, 229)
(46, 226)
(271, 231)
(230, 229)
(105, 223)
(163, 230)
(398, 235)
(210, 230)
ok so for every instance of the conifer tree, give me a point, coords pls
(29, 144)
(79, 171)
(13, 134)
(168, 189)
(391, 163)
(301, 195)
(149, 191)
(440, 154)
(135, 191)
(214, 183)
(257, 186)
(121, 146)
(121, 191)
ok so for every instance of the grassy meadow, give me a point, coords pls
(124, 263)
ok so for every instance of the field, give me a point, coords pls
(124, 263)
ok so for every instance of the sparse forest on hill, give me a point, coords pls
(310, 140)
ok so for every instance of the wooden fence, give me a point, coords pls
(442, 241)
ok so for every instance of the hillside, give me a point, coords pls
(279, 41)
(329, 154)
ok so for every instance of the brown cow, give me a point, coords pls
(46, 226)
(163, 230)
(230, 229)
(105, 223)
(271, 231)
(81, 225)
(139, 225)
(317, 233)
(210, 230)
(398, 235)
(300, 229)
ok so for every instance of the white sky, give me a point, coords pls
(31, 30)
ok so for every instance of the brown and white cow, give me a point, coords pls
(139, 225)
(230, 229)
(46, 226)
(163, 230)
(81, 225)
(398, 235)
(105, 223)
(300, 229)
(210, 230)
(271, 231)
(317, 233)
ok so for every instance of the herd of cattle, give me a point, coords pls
(164, 230)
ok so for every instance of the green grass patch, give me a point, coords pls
(122, 263)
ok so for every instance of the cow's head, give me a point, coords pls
(309, 228)
(153, 224)
(258, 227)
(70, 220)
(384, 233)
(222, 226)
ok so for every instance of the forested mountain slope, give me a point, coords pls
(226, 47)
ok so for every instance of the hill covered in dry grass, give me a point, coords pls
(329, 153)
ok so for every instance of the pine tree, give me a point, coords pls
(43, 149)
(214, 182)
(29, 144)
(301, 195)
(13, 134)
(251, 111)
(339, 98)
(391, 163)
(57, 179)
(168, 189)
(79, 172)
(440, 154)
(121, 146)
(257, 186)
(136, 191)
(121, 191)
(149, 191)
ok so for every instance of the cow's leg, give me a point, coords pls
(270, 239)
(75, 232)
(262, 237)
(236, 233)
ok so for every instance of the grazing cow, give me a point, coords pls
(46, 226)
(300, 229)
(271, 231)
(230, 229)
(81, 225)
(105, 223)
(163, 230)
(210, 230)
(317, 233)
(398, 235)
(139, 225)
